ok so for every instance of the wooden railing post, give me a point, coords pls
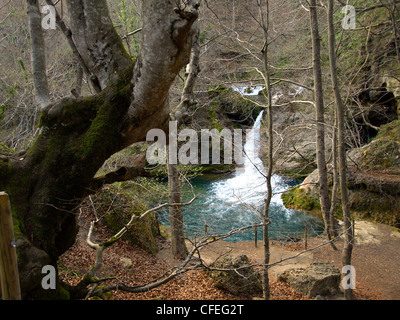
(305, 238)
(255, 236)
(9, 277)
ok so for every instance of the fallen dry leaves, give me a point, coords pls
(134, 266)
(144, 268)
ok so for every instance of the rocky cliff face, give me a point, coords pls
(373, 180)
(374, 176)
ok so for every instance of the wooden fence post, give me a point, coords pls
(9, 276)
(305, 238)
(255, 236)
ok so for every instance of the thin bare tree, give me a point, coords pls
(264, 19)
(340, 112)
(320, 119)
(179, 114)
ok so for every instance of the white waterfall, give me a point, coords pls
(248, 185)
(248, 91)
(229, 202)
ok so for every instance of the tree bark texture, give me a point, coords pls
(178, 245)
(9, 278)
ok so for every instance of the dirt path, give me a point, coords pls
(256, 255)
(375, 257)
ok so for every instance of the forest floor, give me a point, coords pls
(375, 258)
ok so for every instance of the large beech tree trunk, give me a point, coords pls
(78, 135)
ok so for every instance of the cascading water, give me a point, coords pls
(248, 185)
(232, 201)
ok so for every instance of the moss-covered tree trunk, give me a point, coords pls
(78, 135)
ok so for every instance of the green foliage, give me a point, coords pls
(283, 61)
(205, 34)
(5, 149)
(129, 22)
(10, 93)
(212, 113)
(390, 131)
(352, 44)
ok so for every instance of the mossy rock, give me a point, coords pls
(245, 281)
(383, 153)
(381, 208)
(298, 199)
(229, 108)
(118, 205)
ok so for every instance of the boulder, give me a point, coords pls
(373, 177)
(117, 203)
(245, 281)
(319, 279)
(31, 260)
